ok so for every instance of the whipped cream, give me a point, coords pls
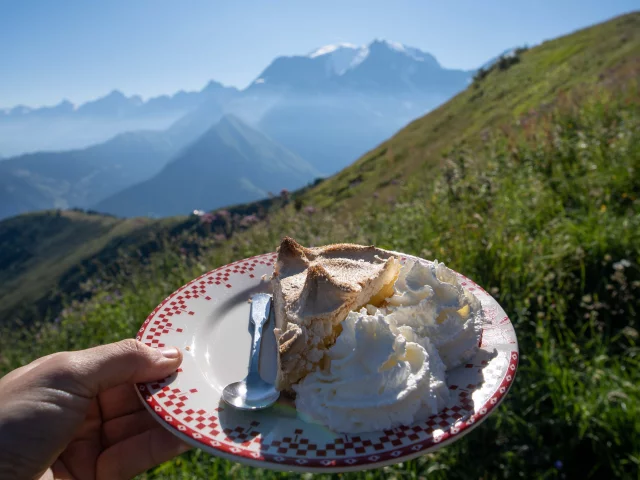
(430, 300)
(388, 365)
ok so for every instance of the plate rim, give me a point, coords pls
(360, 462)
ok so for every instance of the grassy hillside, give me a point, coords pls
(51, 258)
(541, 208)
(48, 254)
(598, 54)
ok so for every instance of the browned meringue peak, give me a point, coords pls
(314, 290)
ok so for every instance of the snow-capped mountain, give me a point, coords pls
(346, 56)
(346, 65)
(349, 97)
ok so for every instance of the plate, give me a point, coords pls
(208, 319)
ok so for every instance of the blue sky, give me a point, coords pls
(79, 49)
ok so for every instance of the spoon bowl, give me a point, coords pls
(250, 395)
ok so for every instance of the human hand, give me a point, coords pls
(76, 415)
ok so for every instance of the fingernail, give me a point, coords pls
(171, 352)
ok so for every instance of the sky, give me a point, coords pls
(80, 50)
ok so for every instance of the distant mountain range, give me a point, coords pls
(64, 127)
(324, 110)
(39, 181)
(230, 163)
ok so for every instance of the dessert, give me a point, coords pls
(313, 291)
(365, 342)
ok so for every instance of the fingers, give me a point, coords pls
(119, 429)
(119, 401)
(88, 372)
(137, 454)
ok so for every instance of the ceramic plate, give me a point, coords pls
(209, 320)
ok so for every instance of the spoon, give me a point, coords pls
(253, 393)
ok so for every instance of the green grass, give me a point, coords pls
(545, 218)
(46, 255)
(542, 209)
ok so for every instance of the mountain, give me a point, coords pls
(349, 98)
(381, 66)
(80, 178)
(66, 126)
(115, 104)
(230, 163)
(355, 96)
(47, 253)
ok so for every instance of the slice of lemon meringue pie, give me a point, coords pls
(314, 289)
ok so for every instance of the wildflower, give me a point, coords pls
(219, 237)
(208, 218)
(621, 265)
(630, 332)
(224, 214)
(310, 210)
(558, 464)
(249, 220)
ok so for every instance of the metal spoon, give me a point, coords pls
(253, 393)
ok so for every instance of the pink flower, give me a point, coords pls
(249, 220)
(208, 218)
(310, 210)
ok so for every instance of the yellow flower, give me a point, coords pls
(603, 208)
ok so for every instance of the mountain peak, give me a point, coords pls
(231, 120)
(115, 94)
(213, 86)
(380, 46)
(327, 49)
(381, 42)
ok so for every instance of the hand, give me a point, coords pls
(76, 415)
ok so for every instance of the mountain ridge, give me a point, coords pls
(228, 164)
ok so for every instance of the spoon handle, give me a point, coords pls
(260, 310)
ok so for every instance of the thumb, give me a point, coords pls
(97, 369)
